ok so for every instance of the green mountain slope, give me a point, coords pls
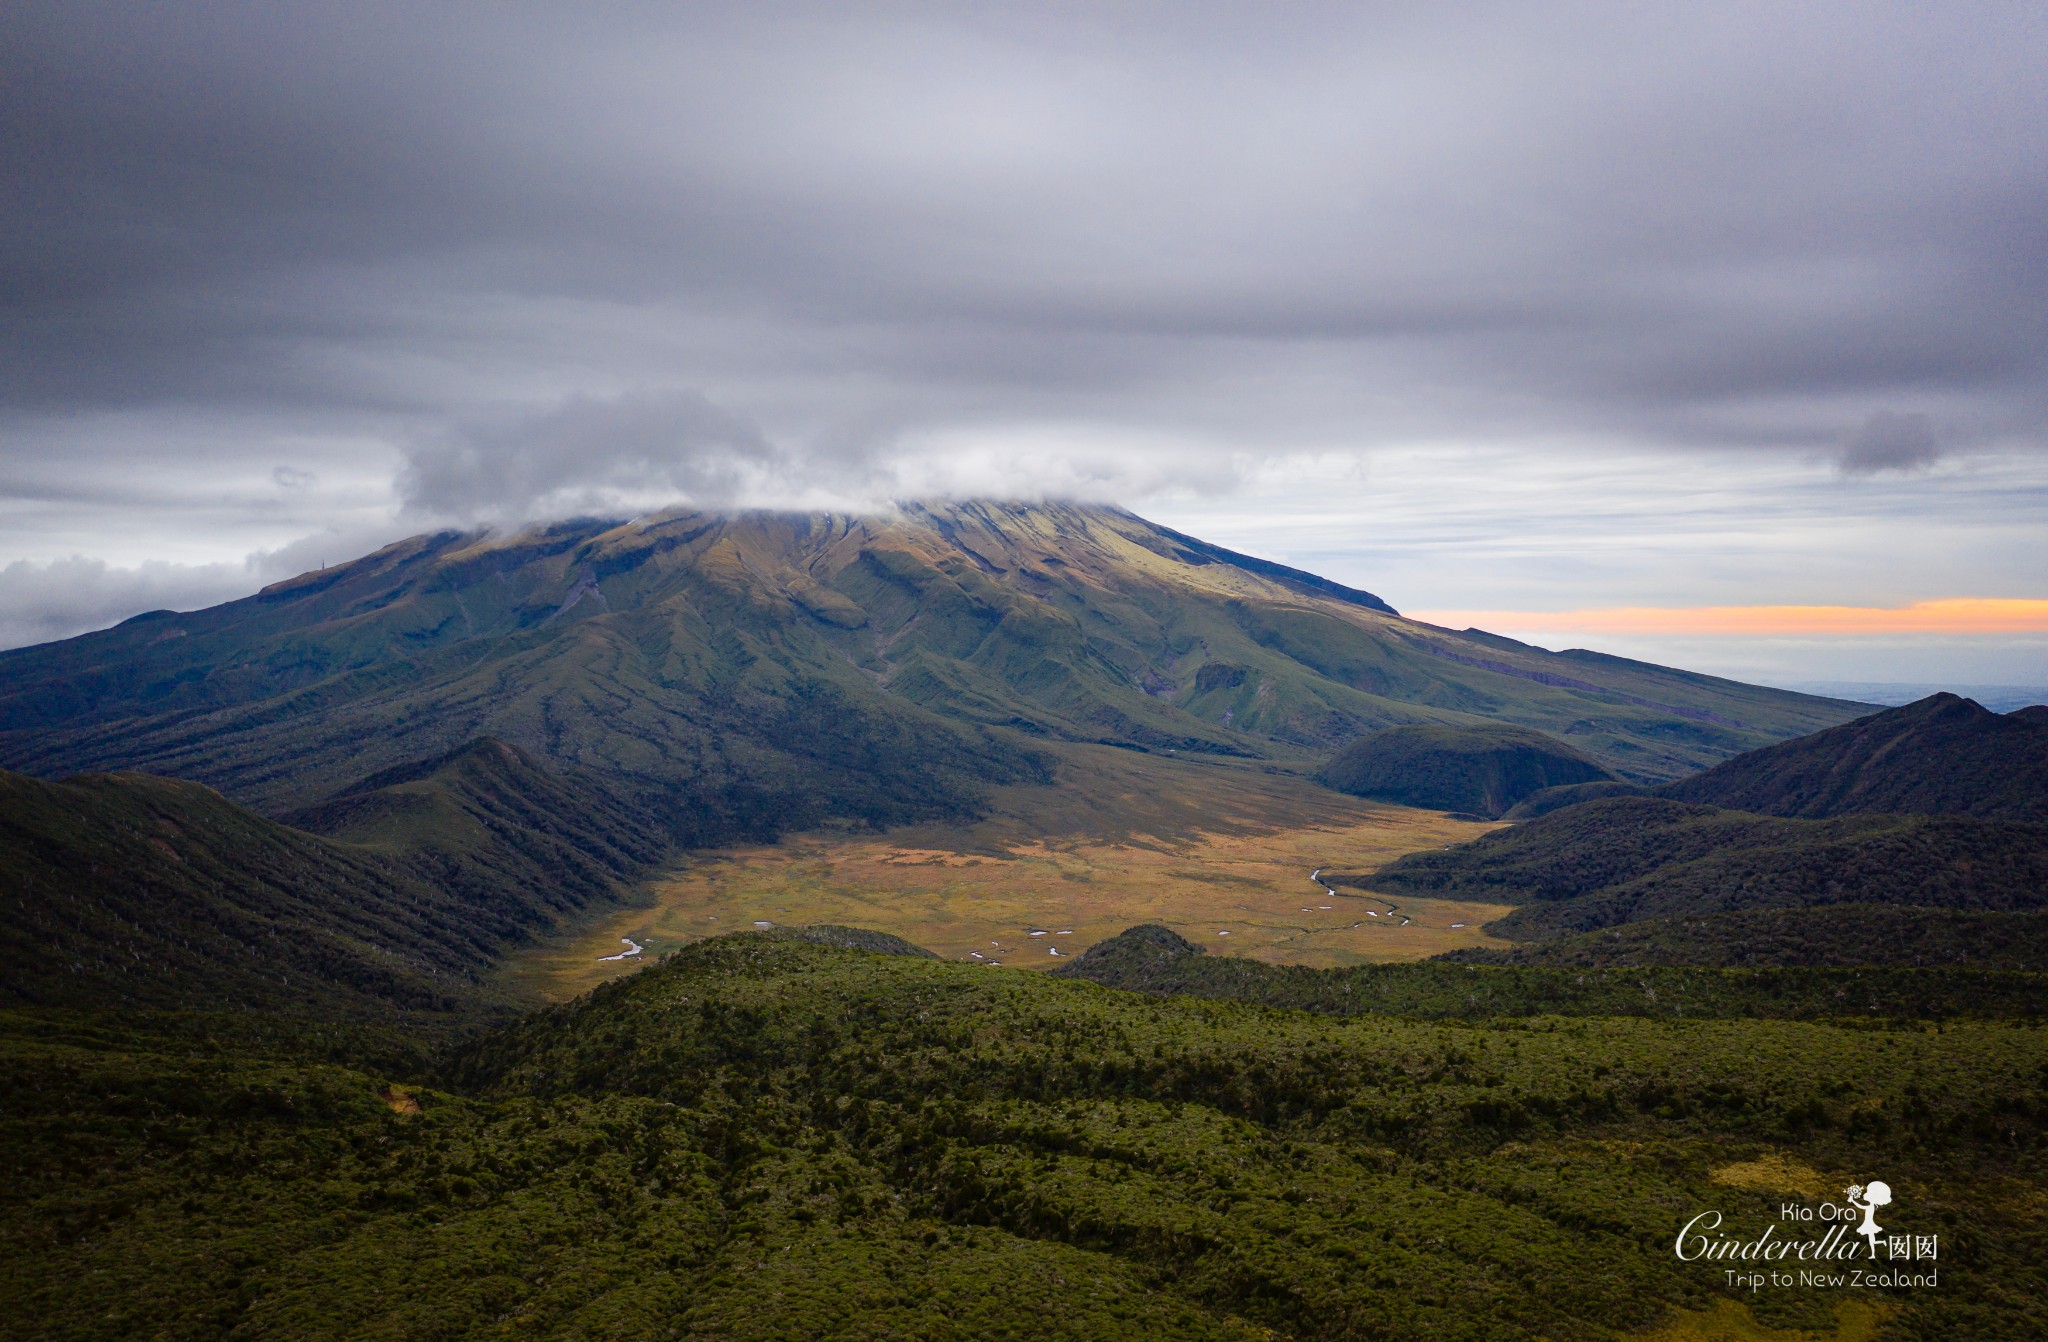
(125, 890)
(1478, 770)
(1629, 858)
(1939, 756)
(487, 818)
(744, 674)
(1546, 800)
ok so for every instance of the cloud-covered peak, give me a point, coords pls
(269, 268)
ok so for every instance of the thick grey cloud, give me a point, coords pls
(584, 455)
(1732, 221)
(525, 258)
(1890, 442)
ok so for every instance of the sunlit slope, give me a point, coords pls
(763, 672)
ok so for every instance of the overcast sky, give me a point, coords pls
(1521, 309)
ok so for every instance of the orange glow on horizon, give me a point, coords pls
(1956, 615)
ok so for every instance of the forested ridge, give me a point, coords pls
(764, 1137)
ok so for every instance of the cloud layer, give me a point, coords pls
(1889, 442)
(263, 262)
(588, 455)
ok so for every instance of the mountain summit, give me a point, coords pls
(743, 673)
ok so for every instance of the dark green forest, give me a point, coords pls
(1486, 986)
(765, 1137)
(1840, 936)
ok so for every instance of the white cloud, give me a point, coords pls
(44, 601)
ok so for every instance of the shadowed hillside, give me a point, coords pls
(486, 818)
(1480, 771)
(1940, 756)
(125, 890)
(1570, 794)
(1631, 858)
(743, 675)
(1931, 836)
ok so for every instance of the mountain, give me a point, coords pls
(1476, 770)
(1943, 755)
(1930, 819)
(127, 890)
(739, 675)
(223, 1035)
(1625, 859)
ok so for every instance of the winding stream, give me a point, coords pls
(1393, 909)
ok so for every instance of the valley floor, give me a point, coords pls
(1222, 852)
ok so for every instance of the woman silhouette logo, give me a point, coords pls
(1867, 1198)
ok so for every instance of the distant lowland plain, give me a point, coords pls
(610, 929)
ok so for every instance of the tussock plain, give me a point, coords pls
(1219, 850)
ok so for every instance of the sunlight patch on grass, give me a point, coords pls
(1731, 1321)
(1773, 1172)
